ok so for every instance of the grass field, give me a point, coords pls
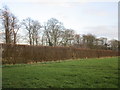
(83, 73)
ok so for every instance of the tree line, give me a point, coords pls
(52, 33)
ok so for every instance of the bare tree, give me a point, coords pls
(77, 39)
(27, 23)
(15, 27)
(67, 37)
(5, 16)
(48, 36)
(10, 25)
(52, 30)
(114, 44)
(44, 40)
(33, 28)
(35, 31)
(88, 40)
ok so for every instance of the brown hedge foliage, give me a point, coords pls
(15, 54)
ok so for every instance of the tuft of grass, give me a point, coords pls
(83, 73)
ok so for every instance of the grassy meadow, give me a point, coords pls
(81, 73)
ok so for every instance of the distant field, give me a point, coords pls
(83, 73)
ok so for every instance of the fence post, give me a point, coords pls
(1, 54)
(1, 66)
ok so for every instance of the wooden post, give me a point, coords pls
(1, 66)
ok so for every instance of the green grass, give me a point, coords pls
(83, 73)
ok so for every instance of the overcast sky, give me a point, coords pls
(96, 17)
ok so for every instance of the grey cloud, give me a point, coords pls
(111, 32)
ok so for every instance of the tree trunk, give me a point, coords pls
(14, 38)
(30, 38)
(36, 41)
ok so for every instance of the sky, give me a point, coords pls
(98, 17)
